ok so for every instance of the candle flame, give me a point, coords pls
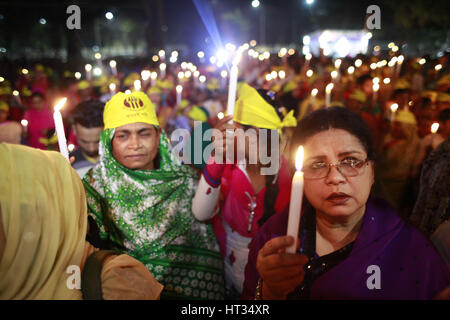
(394, 107)
(314, 92)
(24, 122)
(179, 88)
(375, 87)
(299, 159)
(60, 104)
(434, 127)
(329, 87)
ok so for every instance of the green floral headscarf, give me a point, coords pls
(148, 213)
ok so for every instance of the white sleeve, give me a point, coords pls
(205, 200)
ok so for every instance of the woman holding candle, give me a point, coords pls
(40, 120)
(248, 197)
(352, 246)
(140, 197)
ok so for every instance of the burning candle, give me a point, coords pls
(223, 75)
(98, 57)
(313, 96)
(179, 89)
(16, 95)
(24, 124)
(112, 88)
(145, 75)
(162, 67)
(334, 75)
(375, 88)
(232, 87)
(59, 127)
(153, 76)
(434, 129)
(399, 65)
(394, 108)
(88, 69)
(113, 65)
(296, 201)
(328, 90)
(137, 85)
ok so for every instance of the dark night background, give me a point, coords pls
(140, 28)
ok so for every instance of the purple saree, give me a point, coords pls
(409, 265)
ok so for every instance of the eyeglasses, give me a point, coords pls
(348, 167)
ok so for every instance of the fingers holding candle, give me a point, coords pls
(281, 272)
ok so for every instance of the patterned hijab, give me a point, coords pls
(152, 208)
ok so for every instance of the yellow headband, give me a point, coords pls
(252, 109)
(4, 106)
(124, 109)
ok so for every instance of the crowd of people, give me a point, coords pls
(375, 130)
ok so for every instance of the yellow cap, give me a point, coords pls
(83, 84)
(432, 95)
(26, 92)
(166, 84)
(402, 83)
(4, 106)
(5, 90)
(405, 116)
(213, 84)
(444, 80)
(124, 109)
(153, 90)
(358, 95)
(443, 97)
(39, 67)
(252, 109)
(129, 80)
(197, 113)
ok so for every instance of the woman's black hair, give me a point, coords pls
(334, 118)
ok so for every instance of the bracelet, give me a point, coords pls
(258, 291)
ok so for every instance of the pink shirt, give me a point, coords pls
(38, 120)
(235, 210)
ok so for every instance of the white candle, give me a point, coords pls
(313, 96)
(328, 89)
(59, 127)
(88, 69)
(153, 76)
(162, 67)
(375, 88)
(16, 95)
(137, 85)
(434, 129)
(232, 87)
(179, 89)
(145, 75)
(98, 57)
(223, 76)
(112, 88)
(113, 65)
(24, 124)
(394, 108)
(399, 65)
(296, 201)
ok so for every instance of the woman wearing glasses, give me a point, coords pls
(351, 245)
